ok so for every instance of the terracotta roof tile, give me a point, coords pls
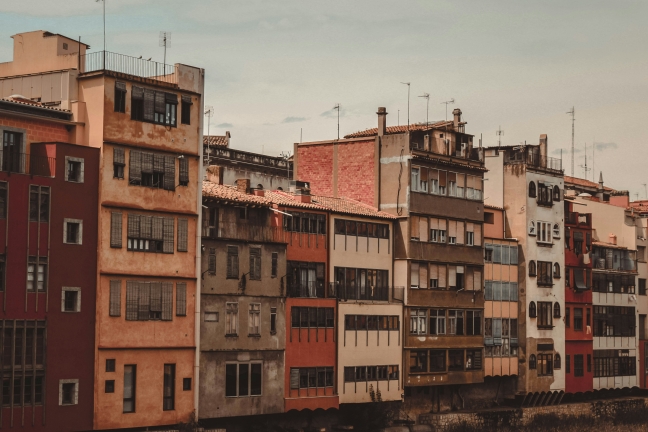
(216, 140)
(231, 194)
(351, 207)
(32, 103)
(607, 245)
(401, 129)
(585, 183)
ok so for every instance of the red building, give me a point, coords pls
(579, 373)
(48, 243)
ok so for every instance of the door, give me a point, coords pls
(11, 155)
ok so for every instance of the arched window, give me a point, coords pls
(556, 310)
(532, 310)
(556, 193)
(556, 231)
(259, 186)
(556, 272)
(532, 361)
(557, 361)
(532, 189)
(532, 268)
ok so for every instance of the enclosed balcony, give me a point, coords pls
(367, 293)
(243, 231)
(23, 163)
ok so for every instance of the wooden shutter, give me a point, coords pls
(137, 93)
(169, 173)
(181, 299)
(158, 163)
(423, 229)
(184, 170)
(160, 106)
(469, 280)
(414, 226)
(211, 264)
(167, 246)
(145, 226)
(183, 225)
(443, 276)
(149, 102)
(135, 167)
(460, 232)
(255, 263)
(478, 234)
(452, 276)
(147, 163)
(143, 304)
(232, 262)
(133, 225)
(157, 232)
(294, 378)
(167, 301)
(114, 309)
(132, 300)
(115, 230)
(155, 302)
(118, 156)
(423, 275)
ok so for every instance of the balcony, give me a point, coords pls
(101, 61)
(533, 159)
(215, 152)
(344, 293)
(242, 231)
(310, 289)
(580, 219)
(24, 163)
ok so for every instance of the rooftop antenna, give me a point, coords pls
(209, 112)
(337, 107)
(585, 168)
(451, 101)
(499, 132)
(165, 41)
(593, 151)
(408, 100)
(645, 191)
(572, 113)
(104, 23)
(398, 120)
(427, 110)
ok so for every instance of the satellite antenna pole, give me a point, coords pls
(451, 101)
(499, 134)
(572, 113)
(165, 41)
(585, 168)
(209, 112)
(398, 119)
(427, 110)
(408, 101)
(104, 31)
(645, 190)
(337, 107)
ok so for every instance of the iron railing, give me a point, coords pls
(534, 159)
(24, 163)
(241, 231)
(310, 289)
(575, 218)
(356, 292)
(139, 67)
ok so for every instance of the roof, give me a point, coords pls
(17, 99)
(641, 206)
(216, 140)
(608, 245)
(402, 129)
(585, 183)
(493, 207)
(351, 207)
(230, 195)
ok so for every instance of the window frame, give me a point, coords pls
(79, 233)
(75, 389)
(64, 303)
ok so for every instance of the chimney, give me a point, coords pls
(613, 239)
(243, 185)
(259, 192)
(227, 137)
(301, 190)
(214, 174)
(457, 117)
(543, 147)
(382, 121)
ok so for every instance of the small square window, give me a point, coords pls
(68, 392)
(74, 169)
(211, 316)
(65, 46)
(110, 386)
(186, 384)
(71, 300)
(110, 365)
(72, 231)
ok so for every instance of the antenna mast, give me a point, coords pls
(499, 132)
(427, 110)
(165, 41)
(209, 112)
(104, 25)
(408, 101)
(585, 168)
(337, 107)
(451, 101)
(572, 113)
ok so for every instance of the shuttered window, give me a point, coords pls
(158, 228)
(167, 246)
(151, 300)
(119, 161)
(137, 103)
(181, 299)
(167, 301)
(115, 230)
(169, 172)
(183, 225)
(135, 167)
(149, 102)
(211, 263)
(232, 262)
(114, 309)
(183, 179)
(255, 263)
(186, 109)
(132, 300)
(144, 301)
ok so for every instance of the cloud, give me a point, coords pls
(224, 125)
(605, 146)
(332, 113)
(294, 119)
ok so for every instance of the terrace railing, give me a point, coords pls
(139, 67)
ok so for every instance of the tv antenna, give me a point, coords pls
(451, 101)
(499, 132)
(408, 100)
(337, 107)
(585, 168)
(104, 24)
(165, 41)
(572, 113)
(427, 110)
(209, 112)
(645, 190)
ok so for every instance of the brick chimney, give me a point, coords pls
(382, 121)
(457, 117)
(214, 174)
(613, 239)
(243, 185)
(543, 146)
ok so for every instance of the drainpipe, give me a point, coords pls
(197, 299)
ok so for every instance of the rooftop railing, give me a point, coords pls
(369, 293)
(534, 159)
(139, 67)
(24, 163)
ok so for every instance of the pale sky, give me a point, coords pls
(275, 67)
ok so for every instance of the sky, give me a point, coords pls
(276, 68)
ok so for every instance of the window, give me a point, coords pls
(418, 361)
(13, 159)
(36, 274)
(242, 379)
(532, 362)
(545, 274)
(254, 319)
(115, 230)
(255, 263)
(68, 392)
(567, 317)
(545, 364)
(532, 268)
(589, 362)
(152, 170)
(544, 315)
(371, 322)
(149, 301)
(275, 259)
(418, 320)
(183, 168)
(186, 384)
(109, 386)
(456, 322)
(314, 377)
(72, 231)
(556, 310)
(273, 321)
(114, 307)
(532, 228)
(232, 262)
(567, 364)
(211, 316)
(231, 325)
(120, 97)
(473, 322)
(311, 223)
(437, 321)
(130, 380)
(455, 360)
(532, 310)
(362, 284)
(110, 365)
(556, 193)
(578, 365)
(544, 194)
(616, 362)
(211, 261)
(544, 232)
(310, 317)
(150, 233)
(489, 218)
(165, 108)
(137, 103)
(168, 399)
(39, 203)
(556, 231)
(614, 321)
(578, 319)
(119, 162)
(473, 359)
(437, 360)
(186, 109)
(557, 364)
(532, 190)
(642, 286)
(74, 169)
(416, 174)
(71, 299)
(3, 200)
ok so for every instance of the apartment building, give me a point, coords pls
(47, 269)
(501, 296)
(640, 209)
(429, 177)
(579, 375)
(243, 303)
(528, 185)
(146, 119)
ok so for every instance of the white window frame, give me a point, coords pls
(76, 391)
(470, 238)
(65, 228)
(82, 169)
(77, 306)
(415, 179)
(544, 235)
(254, 314)
(420, 316)
(231, 322)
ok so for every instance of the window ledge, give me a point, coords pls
(257, 336)
(545, 327)
(231, 335)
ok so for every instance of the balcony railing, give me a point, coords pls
(624, 264)
(24, 163)
(311, 289)
(139, 67)
(576, 218)
(241, 231)
(535, 160)
(345, 293)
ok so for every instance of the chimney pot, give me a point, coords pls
(613, 239)
(457, 117)
(382, 121)
(243, 185)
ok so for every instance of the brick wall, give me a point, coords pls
(38, 130)
(315, 165)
